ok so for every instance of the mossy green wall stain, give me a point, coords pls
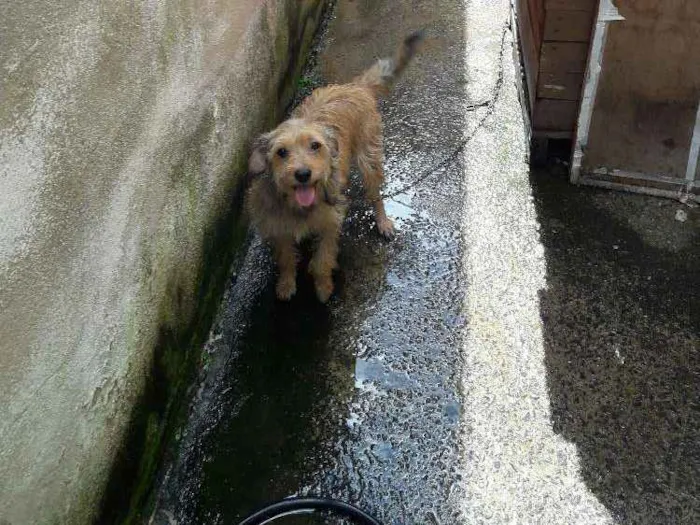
(176, 358)
(193, 292)
(182, 332)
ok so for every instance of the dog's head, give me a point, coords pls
(300, 156)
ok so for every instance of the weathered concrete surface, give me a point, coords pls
(582, 338)
(123, 129)
(516, 468)
(493, 364)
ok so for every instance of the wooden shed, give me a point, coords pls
(621, 79)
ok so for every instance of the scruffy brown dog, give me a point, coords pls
(300, 170)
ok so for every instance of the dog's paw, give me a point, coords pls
(324, 287)
(386, 228)
(286, 288)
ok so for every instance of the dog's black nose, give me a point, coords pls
(302, 175)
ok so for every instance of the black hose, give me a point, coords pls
(294, 505)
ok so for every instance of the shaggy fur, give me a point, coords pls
(300, 170)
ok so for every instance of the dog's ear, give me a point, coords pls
(331, 136)
(257, 163)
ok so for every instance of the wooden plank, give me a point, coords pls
(568, 26)
(647, 98)
(624, 181)
(530, 50)
(633, 133)
(555, 115)
(573, 5)
(536, 12)
(564, 57)
(692, 171)
(562, 86)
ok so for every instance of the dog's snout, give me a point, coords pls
(302, 175)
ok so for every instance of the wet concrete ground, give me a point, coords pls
(622, 345)
(524, 352)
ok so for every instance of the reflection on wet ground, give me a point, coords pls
(356, 400)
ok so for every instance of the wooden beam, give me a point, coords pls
(564, 57)
(558, 85)
(573, 5)
(555, 115)
(568, 26)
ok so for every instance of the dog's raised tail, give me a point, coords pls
(385, 71)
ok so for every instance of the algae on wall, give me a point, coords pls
(178, 350)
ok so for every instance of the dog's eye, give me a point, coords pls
(315, 145)
(282, 153)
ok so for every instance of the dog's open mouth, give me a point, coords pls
(305, 195)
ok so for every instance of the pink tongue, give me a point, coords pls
(305, 195)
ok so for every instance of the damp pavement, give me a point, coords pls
(524, 351)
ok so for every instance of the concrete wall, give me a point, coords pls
(123, 133)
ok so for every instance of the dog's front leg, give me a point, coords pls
(286, 255)
(323, 262)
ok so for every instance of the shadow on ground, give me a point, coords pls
(291, 385)
(621, 321)
(280, 383)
